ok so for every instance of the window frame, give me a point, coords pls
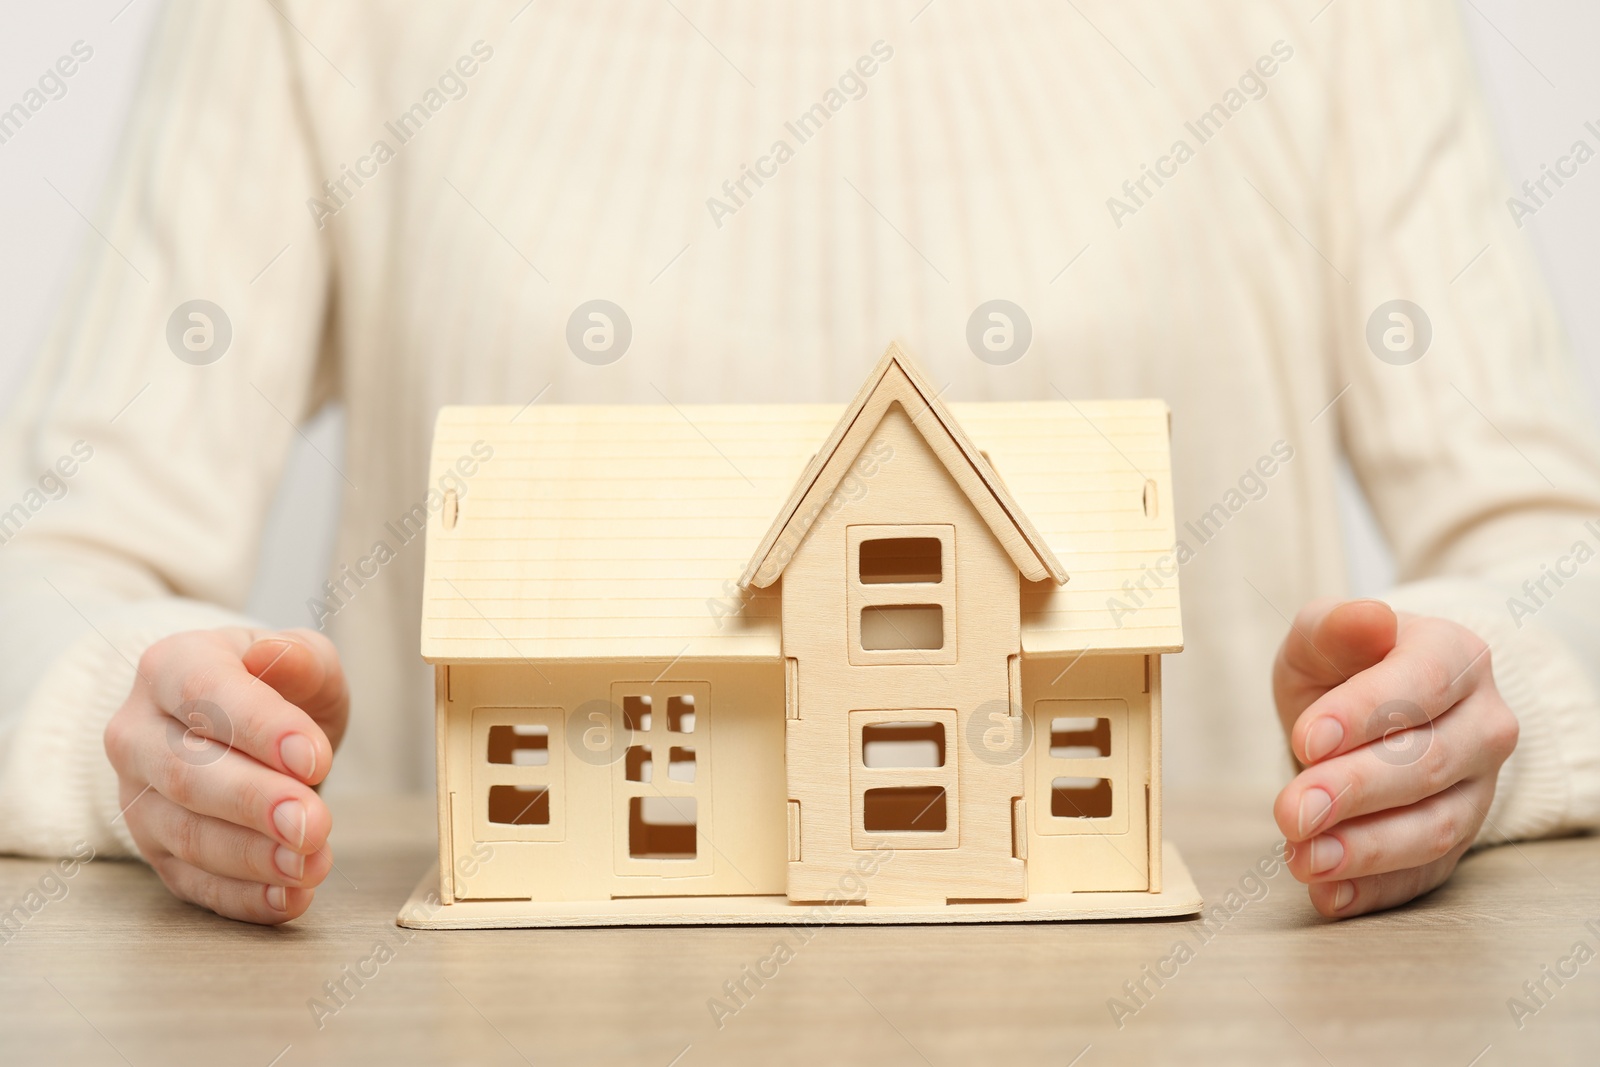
(661, 739)
(946, 777)
(861, 595)
(1113, 767)
(551, 774)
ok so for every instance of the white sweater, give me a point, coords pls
(1204, 204)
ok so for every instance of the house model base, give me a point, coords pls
(893, 661)
(1178, 896)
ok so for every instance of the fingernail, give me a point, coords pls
(299, 755)
(1323, 737)
(290, 819)
(1314, 807)
(289, 862)
(277, 898)
(1326, 854)
(1343, 895)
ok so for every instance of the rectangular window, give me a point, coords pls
(904, 560)
(902, 626)
(909, 809)
(1080, 798)
(680, 713)
(519, 805)
(636, 713)
(517, 774)
(1080, 738)
(904, 783)
(902, 744)
(680, 764)
(662, 828)
(901, 594)
(520, 744)
(1080, 777)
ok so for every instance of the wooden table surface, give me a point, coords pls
(116, 971)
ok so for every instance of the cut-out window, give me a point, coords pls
(640, 767)
(903, 744)
(518, 773)
(902, 559)
(661, 784)
(636, 713)
(1080, 738)
(521, 745)
(901, 594)
(519, 805)
(680, 714)
(1080, 798)
(680, 764)
(904, 809)
(904, 782)
(901, 627)
(1081, 781)
(662, 828)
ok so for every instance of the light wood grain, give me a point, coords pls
(843, 687)
(423, 909)
(164, 983)
(552, 586)
(895, 381)
(582, 852)
(598, 531)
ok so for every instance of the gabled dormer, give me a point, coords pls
(896, 381)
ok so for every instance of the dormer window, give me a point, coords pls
(901, 595)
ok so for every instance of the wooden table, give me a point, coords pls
(117, 971)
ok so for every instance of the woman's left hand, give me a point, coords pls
(1400, 731)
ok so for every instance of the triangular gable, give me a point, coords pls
(896, 380)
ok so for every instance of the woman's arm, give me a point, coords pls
(1478, 456)
(175, 449)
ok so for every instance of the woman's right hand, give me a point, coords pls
(216, 750)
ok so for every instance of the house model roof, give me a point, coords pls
(645, 531)
(895, 380)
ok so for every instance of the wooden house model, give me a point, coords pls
(898, 661)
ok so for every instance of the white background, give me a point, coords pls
(1539, 77)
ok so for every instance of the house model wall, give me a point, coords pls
(712, 663)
